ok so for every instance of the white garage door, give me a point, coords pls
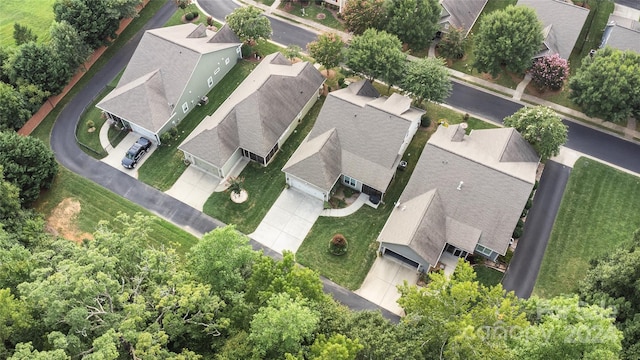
(306, 188)
(143, 132)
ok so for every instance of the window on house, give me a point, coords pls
(483, 250)
(349, 181)
(226, 61)
(210, 81)
(185, 107)
(216, 71)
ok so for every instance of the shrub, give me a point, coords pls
(535, 185)
(517, 232)
(165, 138)
(235, 184)
(188, 16)
(425, 120)
(524, 213)
(549, 72)
(246, 50)
(341, 83)
(90, 124)
(338, 245)
(506, 259)
(195, 14)
(348, 192)
(210, 20)
(520, 223)
(528, 204)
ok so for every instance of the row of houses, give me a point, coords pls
(467, 190)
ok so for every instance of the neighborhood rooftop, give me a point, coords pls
(622, 33)
(461, 14)
(562, 22)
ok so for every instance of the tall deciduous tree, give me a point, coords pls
(541, 127)
(377, 55)
(28, 163)
(67, 43)
(249, 24)
(414, 22)
(608, 85)
(453, 43)
(23, 34)
(13, 112)
(282, 327)
(509, 37)
(327, 50)
(38, 64)
(95, 20)
(33, 96)
(360, 15)
(427, 79)
(336, 347)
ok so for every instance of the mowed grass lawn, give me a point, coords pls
(98, 203)
(37, 15)
(488, 276)
(599, 211)
(361, 229)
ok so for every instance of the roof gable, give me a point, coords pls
(562, 22)
(461, 14)
(319, 160)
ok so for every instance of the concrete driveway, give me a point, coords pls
(194, 187)
(288, 221)
(379, 286)
(116, 154)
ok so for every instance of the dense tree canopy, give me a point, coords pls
(28, 164)
(360, 15)
(549, 72)
(377, 55)
(509, 37)
(13, 109)
(23, 34)
(414, 22)
(249, 24)
(453, 43)
(40, 65)
(608, 85)
(95, 20)
(541, 127)
(327, 50)
(427, 79)
(67, 43)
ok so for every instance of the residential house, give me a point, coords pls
(171, 72)
(257, 118)
(462, 14)
(338, 3)
(621, 33)
(465, 196)
(358, 140)
(562, 22)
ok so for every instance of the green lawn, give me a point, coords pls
(591, 34)
(37, 15)
(599, 211)
(165, 165)
(264, 184)
(176, 19)
(362, 228)
(311, 12)
(488, 276)
(98, 204)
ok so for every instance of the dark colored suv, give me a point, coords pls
(136, 152)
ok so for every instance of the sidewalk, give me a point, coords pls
(630, 132)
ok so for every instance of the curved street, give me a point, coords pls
(467, 98)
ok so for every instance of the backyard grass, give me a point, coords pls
(176, 19)
(362, 228)
(488, 276)
(37, 15)
(263, 184)
(599, 212)
(165, 165)
(98, 203)
(311, 12)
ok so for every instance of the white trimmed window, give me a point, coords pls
(216, 71)
(185, 107)
(349, 180)
(226, 61)
(210, 81)
(483, 250)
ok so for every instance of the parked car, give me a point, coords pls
(136, 152)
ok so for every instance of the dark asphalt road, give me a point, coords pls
(630, 3)
(68, 153)
(525, 265)
(284, 33)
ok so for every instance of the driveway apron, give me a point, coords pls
(288, 221)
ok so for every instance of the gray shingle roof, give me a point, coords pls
(622, 33)
(461, 13)
(173, 52)
(259, 110)
(493, 187)
(319, 160)
(371, 131)
(562, 22)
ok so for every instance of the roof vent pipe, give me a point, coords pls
(460, 185)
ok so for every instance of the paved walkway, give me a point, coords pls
(517, 95)
(355, 206)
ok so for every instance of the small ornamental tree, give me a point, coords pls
(452, 44)
(549, 72)
(249, 24)
(541, 127)
(327, 50)
(427, 79)
(338, 244)
(360, 15)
